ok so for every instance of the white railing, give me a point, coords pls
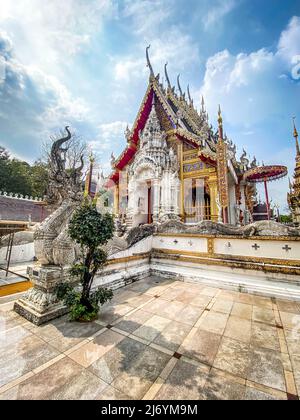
(21, 197)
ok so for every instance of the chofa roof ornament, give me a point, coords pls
(167, 77)
(179, 87)
(148, 62)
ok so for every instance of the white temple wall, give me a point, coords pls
(264, 249)
(232, 201)
(180, 244)
(267, 266)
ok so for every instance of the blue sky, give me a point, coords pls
(82, 62)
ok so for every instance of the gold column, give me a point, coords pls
(213, 189)
(181, 183)
(116, 199)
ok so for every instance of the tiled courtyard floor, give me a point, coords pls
(157, 339)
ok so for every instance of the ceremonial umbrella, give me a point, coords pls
(265, 174)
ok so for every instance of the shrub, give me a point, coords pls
(90, 230)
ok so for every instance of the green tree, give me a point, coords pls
(19, 177)
(4, 155)
(39, 179)
(91, 230)
(4, 159)
(286, 218)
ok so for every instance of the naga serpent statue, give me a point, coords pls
(52, 243)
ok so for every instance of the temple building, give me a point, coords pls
(175, 166)
(294, 194)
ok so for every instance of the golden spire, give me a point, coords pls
(220, 123)
(220, 119)
(88, 181)
(92, 158)
(296, 137)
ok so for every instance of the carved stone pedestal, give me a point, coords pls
(40, 304)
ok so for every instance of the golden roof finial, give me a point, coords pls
(220, 119)
(92, 158)
(296, 137)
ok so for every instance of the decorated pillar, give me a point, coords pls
(213, 191)
(222, 170)
(182, 211)
(116, 199)
(155, 198)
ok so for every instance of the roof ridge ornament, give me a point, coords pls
(220, 123)
(189, 95)
(148, 62)
(296, 137)
(167, 76)
(179, 87)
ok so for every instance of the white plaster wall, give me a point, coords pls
(20, 253)
(268, 248)
(190, 244)
(120, 274)
(140, 248)
(232, 201)
(260, 282)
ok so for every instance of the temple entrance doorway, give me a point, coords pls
(144, 210)
(197, 201)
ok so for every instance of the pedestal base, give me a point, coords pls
(29, 313)
(40, 303)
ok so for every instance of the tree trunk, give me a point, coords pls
(87, 281)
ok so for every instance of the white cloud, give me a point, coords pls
(289, 42)
(252, 85)
(217, 12)
(62, 106)
(163, 49)
(47, 33)
(147, 15)
(110, 137)
(251, 89)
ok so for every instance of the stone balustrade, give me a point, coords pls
(21, 196)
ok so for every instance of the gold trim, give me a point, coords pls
(223, 257)
(11, 289)
(263, 260)
(187, 253)
(210, 246)
(250, 238)
(128, 259)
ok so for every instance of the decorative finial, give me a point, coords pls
(189, 95)
(92, 158)
(220, 119)
(296, 137)
(127, 133)
(148, 61)
(113, 160)
(295, 129)
(167, 76)
(220, 123)
(179, 87)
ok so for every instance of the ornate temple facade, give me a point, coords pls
(175, 166)
(294, 194)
